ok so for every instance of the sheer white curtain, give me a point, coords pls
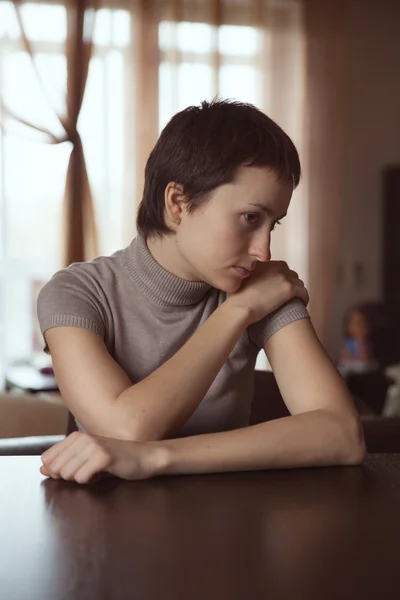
(326, 115)
(34, 164)
(150, 59)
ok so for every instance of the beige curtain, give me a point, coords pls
(325, 126)
(79, 223)
(79, 236)
(146, 58)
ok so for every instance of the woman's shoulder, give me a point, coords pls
(86, 273)
(82, 290)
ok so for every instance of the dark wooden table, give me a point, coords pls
(310, 534)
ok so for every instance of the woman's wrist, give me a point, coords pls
(238, 311)
(159, 458)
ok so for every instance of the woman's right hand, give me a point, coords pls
(269, 286)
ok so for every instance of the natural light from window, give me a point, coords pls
(32, 173)
(187, 72)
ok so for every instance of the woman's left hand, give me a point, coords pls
(82, 456)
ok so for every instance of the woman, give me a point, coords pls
(154, 347)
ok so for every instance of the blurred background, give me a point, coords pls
(87, 86)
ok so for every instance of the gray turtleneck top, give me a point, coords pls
(145, 314)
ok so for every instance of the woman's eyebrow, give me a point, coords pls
(267, 210)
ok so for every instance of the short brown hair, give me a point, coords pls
(202, 147)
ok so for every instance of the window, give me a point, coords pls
(32, 174)
(188, 74)
(197, 61)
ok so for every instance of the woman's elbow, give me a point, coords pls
(356, 448)
(141, 434)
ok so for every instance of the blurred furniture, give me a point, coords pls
(371, 388)
(308, 534)
(391, 261)
(392, 403)
(28, 415)
(382, 434)
(29, 379)
(368, 380)
(28, 446)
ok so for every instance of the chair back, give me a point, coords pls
(71, 424)
(382, 434)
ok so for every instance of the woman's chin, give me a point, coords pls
(226, 281)
(229, 285)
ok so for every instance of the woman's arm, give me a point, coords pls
(162, 402)
(100, 395)
(306, 377)
(315, 438)
(324, 427)
(103, 399)
(323, 430)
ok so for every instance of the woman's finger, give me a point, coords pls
(300, 290)
(55, 450)
(303, 294)
(97, 462)
(76, 446)
(68, 464)
(70, 469)
(75, 454)
(296, 281)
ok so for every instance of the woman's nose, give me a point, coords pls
(261, 250)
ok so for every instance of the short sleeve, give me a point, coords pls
(261, 331)
(70, 299)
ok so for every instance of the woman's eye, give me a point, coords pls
(276, 223)
(251, 218)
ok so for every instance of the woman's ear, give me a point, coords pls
(174, 198)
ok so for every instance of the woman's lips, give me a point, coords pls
(242, 272)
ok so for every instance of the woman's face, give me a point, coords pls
(233, 229)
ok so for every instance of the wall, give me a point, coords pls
(373, 142)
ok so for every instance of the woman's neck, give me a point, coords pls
(166, 252)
